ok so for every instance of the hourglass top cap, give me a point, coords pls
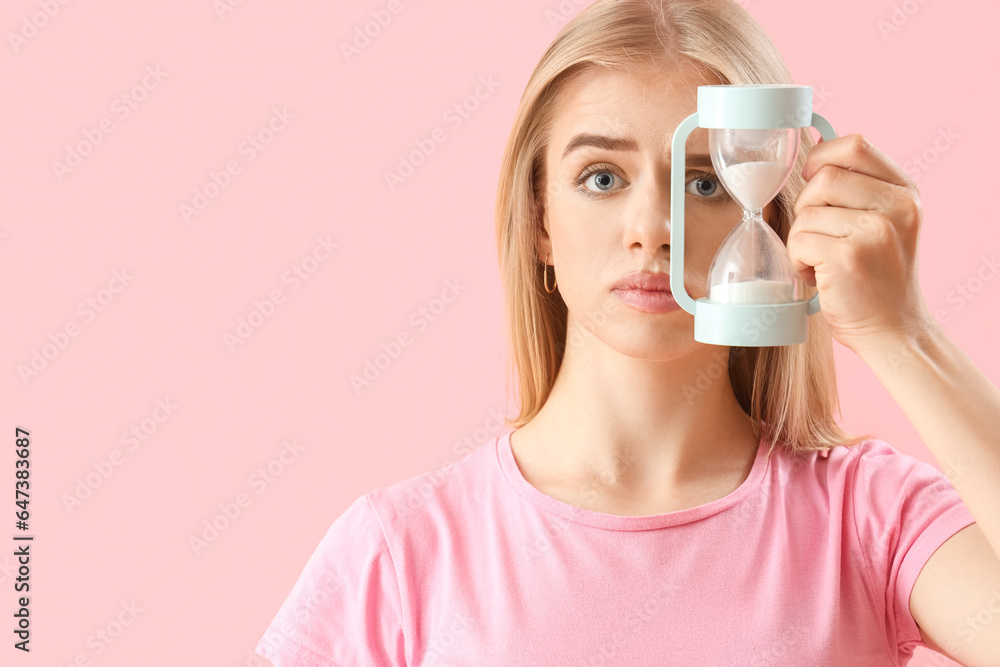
(755, 107)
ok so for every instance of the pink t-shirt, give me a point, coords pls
(809, 562)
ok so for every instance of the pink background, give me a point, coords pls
(321, 175)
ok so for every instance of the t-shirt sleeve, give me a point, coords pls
(344, 609)
(904, 509)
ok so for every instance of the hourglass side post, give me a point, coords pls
(827, 132)
(677, 196)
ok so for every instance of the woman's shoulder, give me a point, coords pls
(456, 484)
(842, 459)
(872, 470)
(874, 454)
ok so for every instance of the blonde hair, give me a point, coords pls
(789, 391)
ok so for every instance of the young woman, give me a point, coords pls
(663, 501)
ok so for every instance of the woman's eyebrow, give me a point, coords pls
(599, 141)
(625, 145)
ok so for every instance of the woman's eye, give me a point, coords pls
(708, 187)
(597, 181)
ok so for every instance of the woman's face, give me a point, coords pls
(606, 209)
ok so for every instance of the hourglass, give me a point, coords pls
(753, 137)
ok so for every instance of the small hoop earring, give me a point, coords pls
(545, 276)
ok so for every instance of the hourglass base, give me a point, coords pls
(751, 325)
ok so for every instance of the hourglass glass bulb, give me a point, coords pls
(754, 184)
(752, 264)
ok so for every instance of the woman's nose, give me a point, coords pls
(647, 223)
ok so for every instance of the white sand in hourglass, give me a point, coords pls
(754, 183)
(753, 291)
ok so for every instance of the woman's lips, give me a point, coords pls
(648, 301)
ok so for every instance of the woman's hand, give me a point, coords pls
(854, 237)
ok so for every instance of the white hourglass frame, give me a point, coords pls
(752, 107)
